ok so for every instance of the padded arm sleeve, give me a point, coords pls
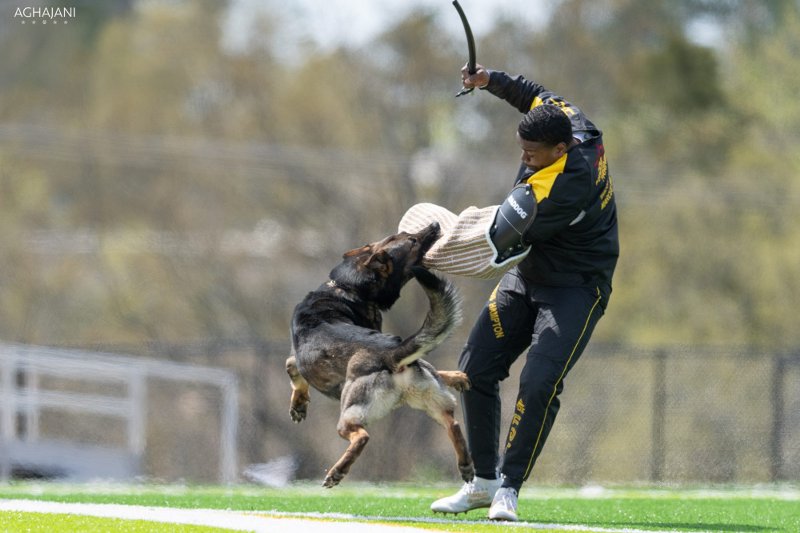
(514, 217)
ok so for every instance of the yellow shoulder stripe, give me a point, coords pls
(536, 102)
(542, 181)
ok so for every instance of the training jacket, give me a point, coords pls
(574, 241)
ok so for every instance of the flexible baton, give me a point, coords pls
(471, 63)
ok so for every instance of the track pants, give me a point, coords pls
(555, 324)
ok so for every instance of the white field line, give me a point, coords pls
(269, 521)
(527, 525)
(232, 520)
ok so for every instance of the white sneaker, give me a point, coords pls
(504, 505)
(473, 495)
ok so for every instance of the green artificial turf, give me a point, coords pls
(735, 509)
(61, 523)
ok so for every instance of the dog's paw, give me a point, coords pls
(298, 404)
(332, 478)
(467, 471)
(298, 412)
(462, 385)
(455, 379)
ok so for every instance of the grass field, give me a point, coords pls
(718, 509)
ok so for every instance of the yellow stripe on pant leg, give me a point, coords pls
(555, 387)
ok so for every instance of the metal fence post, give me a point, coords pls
(658, 416)
(7, 409)
(229, 430)
(777, 430)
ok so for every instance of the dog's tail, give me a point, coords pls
(443, 316)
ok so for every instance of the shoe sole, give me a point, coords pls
(504, 518)
(464, 511)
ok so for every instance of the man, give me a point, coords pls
(550, 302)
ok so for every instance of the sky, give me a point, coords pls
(354, 22)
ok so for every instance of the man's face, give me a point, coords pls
(538, 155)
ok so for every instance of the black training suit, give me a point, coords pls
(550, 302)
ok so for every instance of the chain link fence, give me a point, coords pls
(677, 415)
(667, 415)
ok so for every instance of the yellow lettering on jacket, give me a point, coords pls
(552, 101)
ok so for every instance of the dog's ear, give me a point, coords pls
(357, 251)
(380, 262)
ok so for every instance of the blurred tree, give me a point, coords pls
(162, 135)
(715, 168)
(44, 67)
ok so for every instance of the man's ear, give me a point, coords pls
(380, 263)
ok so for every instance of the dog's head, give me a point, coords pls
(379, 270)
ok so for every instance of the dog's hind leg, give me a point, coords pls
(446, 418)
(455, 379)
(434, 398)
(298, 405)
(463, 459)
(358, 438)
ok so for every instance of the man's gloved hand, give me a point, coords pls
(478, 80)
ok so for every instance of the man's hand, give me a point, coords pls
(477, 80)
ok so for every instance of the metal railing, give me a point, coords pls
(123, 396)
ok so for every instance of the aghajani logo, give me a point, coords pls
(44, 14)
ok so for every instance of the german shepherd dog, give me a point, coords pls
(338, 347)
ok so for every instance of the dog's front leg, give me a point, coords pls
(358, 438)
(298, 405)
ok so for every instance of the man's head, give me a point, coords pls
(544, 134)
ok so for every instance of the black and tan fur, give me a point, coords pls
(338, 347)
